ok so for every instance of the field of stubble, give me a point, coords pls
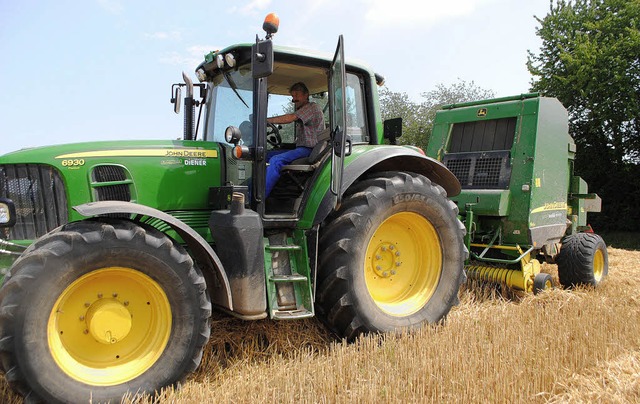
(560, 346)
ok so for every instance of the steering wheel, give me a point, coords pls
(273, 135)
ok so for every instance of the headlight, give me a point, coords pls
(232, 135)
(7, 213)
(201, 75)
(230, 59)
(220, 61)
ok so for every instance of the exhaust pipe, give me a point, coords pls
(189, 109)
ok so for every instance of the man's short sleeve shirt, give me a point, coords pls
(309, 124)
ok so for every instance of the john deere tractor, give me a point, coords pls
(520, 200)
(114, 254)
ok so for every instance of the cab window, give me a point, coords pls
(356, 117)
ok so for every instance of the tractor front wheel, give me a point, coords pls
(391, 257)
(95, 310)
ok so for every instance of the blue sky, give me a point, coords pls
(102, 69)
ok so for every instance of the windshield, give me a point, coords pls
(230, 103)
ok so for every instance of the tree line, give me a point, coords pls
(590, 60)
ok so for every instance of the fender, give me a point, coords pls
(391, 158)
(201, 250)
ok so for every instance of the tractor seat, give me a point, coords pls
(310, 163)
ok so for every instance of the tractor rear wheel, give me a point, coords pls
(95, 310)
(582, 260)
(391, 257)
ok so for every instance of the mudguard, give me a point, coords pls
(199, 247)
(391, 158)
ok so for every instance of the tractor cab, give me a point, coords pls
(243, 85)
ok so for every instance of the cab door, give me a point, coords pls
(338, 118)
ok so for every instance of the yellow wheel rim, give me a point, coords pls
(403, 263)
(598, 265)
(109, 326)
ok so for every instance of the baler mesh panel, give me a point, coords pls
(480, 170)
(39, 196)
(460, 168)
(487, 172)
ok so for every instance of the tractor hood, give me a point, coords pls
(105, 149)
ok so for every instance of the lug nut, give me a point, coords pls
(391, 246)
(87, 304)
(385, 274)
(114, 294)
(81, 318)
(99, 295)
(393, 272)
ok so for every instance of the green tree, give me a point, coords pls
(417, 117)
(589, 60)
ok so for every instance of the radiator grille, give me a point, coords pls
(39, 197)
(108, 173)
(111, 192)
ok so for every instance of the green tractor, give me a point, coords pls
(114, 254)
(520, 200)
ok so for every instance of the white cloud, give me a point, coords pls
(112, 6)
(385, 12)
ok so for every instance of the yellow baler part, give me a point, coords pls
(513, 278)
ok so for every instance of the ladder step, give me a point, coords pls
(288, 278)
(291, 314)
(283, 247)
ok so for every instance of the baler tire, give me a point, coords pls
(542, 282)
(99, 309)
(391, 257)
(583, 260)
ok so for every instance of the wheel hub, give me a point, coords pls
(108, 321)
(386, 260)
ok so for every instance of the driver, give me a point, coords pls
(309, 123)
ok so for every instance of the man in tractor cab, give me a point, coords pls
(309, 121)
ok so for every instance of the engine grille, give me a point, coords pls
(111, 192)
(39, 196)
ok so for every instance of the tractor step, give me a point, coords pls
(283, 247)
(288, 278)
(289, 287)
(291, 314)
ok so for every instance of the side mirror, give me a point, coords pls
(176, 96)
(392, 129)
(262, 59)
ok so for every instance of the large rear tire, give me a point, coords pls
(95, 310)
(583, 260)
(391, 257)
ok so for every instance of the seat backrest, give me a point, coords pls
(320, 147)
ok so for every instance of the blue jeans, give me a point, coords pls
(278, 159)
